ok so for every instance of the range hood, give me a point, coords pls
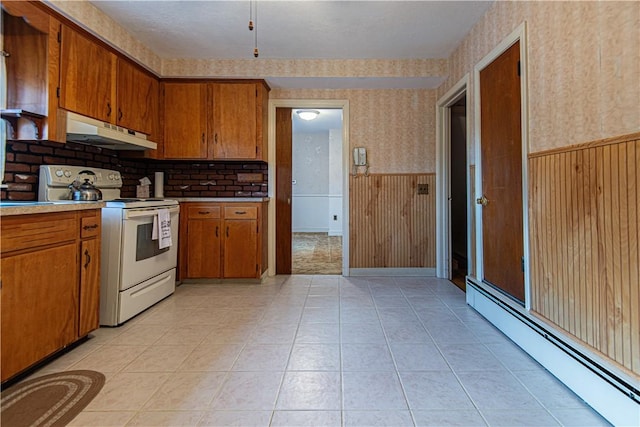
(85, 130)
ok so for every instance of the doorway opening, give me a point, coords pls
(454, 227)
(458, 195)
(308, 232)
(316, 220)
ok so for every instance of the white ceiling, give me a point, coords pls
(303, 29)
(307, 29)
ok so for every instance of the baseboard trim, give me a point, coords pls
(410, 272)
(609, 395)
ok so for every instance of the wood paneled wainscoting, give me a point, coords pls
(391, 225)
(585, 264)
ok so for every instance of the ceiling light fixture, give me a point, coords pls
(307, 114)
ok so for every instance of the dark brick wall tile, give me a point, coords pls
(182, 179)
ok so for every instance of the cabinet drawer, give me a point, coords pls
(30, 231)
(201, 212)
(240, 212)
(89, 226)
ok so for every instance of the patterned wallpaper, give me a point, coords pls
(584, 66)
(263, 68)
(396, 126)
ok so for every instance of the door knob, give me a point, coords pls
(482, 201)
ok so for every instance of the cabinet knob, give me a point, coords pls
(217, 231)
(87, 258)
(241, 212)
(108, 109)
(204, 212)
(119, 114)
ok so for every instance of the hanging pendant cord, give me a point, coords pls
(255, 49)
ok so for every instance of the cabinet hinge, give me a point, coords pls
(522, 264)
(518, 68)
(59, 36)
(256, 150)
(58, 92)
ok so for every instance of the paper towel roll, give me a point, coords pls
(158, 187)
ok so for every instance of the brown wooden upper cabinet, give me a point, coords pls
(30, 39)
(137, 98)
(216, 121)
(97, 83)
(87, 77)
(185, 120)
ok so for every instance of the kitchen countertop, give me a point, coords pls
(8, 208)
(222, 199)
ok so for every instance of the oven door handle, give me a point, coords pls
(138, 213)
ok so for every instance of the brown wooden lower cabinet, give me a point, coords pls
(223, 240)
(50, 285)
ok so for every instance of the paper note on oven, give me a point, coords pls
(162, 228)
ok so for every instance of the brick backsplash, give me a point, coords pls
(182, 179)
(211, 179)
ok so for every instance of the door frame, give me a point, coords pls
(519, 34)
(443, 178)
(308, 103)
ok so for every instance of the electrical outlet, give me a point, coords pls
(423, 188)
(335, 217)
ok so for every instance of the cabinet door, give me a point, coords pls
(203, 246)
(87, 77)
(39, 305)
(185, 120)
(89, 286)
(235, 120)
(240, 248)
(137, 94)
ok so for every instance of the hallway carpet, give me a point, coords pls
(316, 253)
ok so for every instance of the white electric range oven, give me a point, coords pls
(136, 272)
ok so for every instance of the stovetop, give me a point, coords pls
(129, 203)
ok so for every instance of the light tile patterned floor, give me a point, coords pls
(318, 351)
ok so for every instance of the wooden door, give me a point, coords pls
(87, 77)
(89, 286)
(203, 247)
(185, 120)
(39, 305)
(284, 135)
(137, 95)
(501, 157)
(234, 121)
(240, 248)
